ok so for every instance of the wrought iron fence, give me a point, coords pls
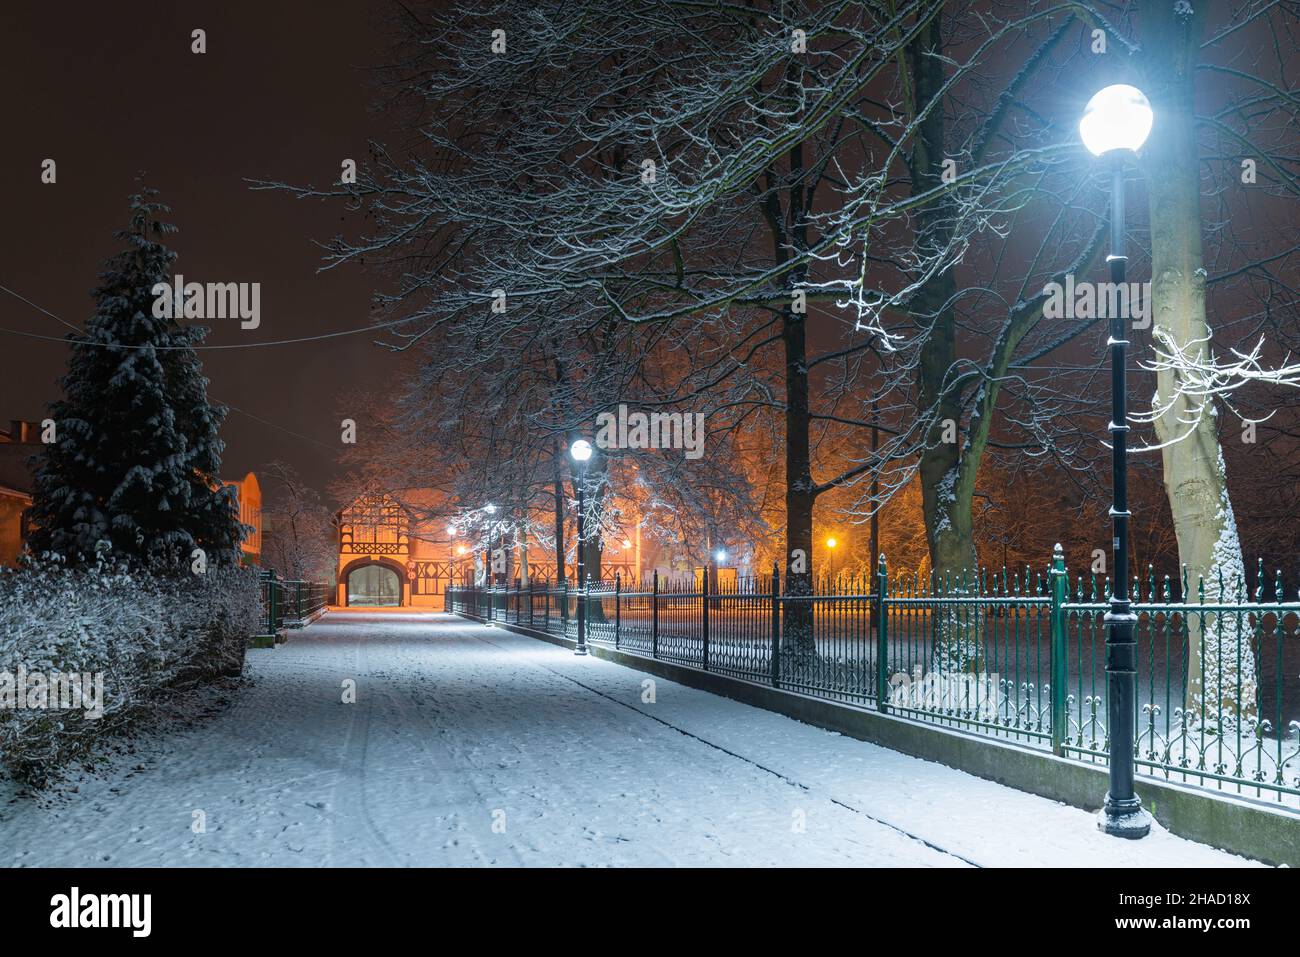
(1014, 656)
(287, 603)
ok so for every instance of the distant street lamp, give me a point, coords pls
(1115, 124)
(581, 452)
(831, 544)
(711, 569)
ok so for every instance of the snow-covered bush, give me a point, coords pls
(146, 635)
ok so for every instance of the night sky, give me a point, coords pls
(108, 90)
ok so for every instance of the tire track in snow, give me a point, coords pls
(740, 757)
(352, 772)
(397, 709)
(548, 794)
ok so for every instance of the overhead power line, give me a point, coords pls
(235, 345)
(233, 408)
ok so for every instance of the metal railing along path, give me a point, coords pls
(288, 603)
(1019, 657)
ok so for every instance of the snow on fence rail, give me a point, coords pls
(289, 603)
(1012, 656)
(136, 636)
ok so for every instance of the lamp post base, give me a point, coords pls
(1126, 819)
(580, 650)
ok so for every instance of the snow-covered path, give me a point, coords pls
(470, 745)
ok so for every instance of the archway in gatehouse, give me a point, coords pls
(374, 584)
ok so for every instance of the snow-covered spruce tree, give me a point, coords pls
(136, 454)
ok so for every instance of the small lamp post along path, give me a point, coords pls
(581, 452)
(1115, 124)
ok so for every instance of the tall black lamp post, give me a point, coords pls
(581, 452)
(1115, 124)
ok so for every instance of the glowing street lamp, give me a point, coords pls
(1115, 124)
(581, 452)
(1116, 118)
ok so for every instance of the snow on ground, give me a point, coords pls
(469, 745)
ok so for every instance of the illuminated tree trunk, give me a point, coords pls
(947, 489)
(1194, 475)
(947, 482)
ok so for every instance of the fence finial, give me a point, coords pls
(1058, 559)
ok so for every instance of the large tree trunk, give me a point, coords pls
(945, 492)
(789, 227)
(945, 498)
(1194, 474)
(559, 523)
(946, 509)
(947, 487)
(594, 549)
(797, 630)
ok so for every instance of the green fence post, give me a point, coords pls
(654, 618)
(276, 611)
(882, 637)
(618, 606)
(704, 618)
(264, 579)
(1060, 591)
(776, 625)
